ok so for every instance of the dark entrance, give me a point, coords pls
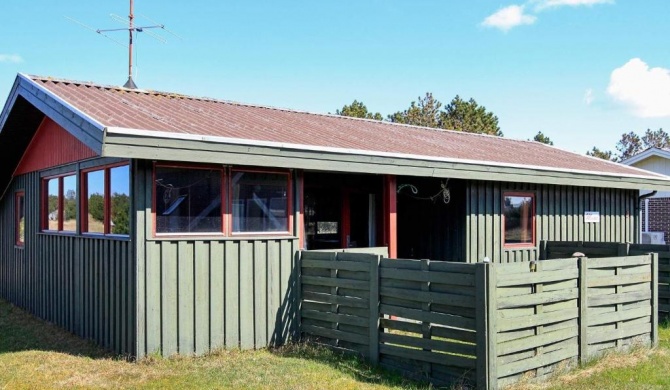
(342, 211)
(431, 218)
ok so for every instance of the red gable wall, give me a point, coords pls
(52, 145)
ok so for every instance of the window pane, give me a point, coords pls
(52, 204)
(260, 202)
(21, 219)
(96, 201)
(70, 203)
(188, 200)
(519, 219)
(120, 200)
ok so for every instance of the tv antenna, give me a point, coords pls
(132, 28)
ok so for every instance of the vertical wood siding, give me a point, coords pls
(85, 285)
(559, 217)
(196, 295)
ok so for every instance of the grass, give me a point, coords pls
(35, 354)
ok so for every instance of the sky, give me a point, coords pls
(581, 71)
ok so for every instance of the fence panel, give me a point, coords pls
(565, 249)
(535, 322)
(619, 303)
(663, 273)
(430, 314)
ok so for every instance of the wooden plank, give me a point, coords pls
(339, 265)
(232, 295)
(617, 316)
(535, 299)
(428, 357)
(492, 327)
(527, 321)
(421, 276)
(336, 334)
(333, 317)
(435, 318)
(185, 298)
(216, 300)
(537, 341)
(543, 360)
(428, 344)
(373, 320)
(169, 288)
(336, 299)
(202, 297)
(433, 297)
(260, 286)
(613, 299)
(246, 297)
(625, 261)
(334, 282)
(619, 280)
(601, 335)
(482, 336)
(536, 277)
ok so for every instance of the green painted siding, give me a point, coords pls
(83, 284)
(197, 295)
(559, 217)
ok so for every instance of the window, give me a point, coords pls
(260, 201)
(107, 200)
(20, 212)
(61, 204)
(188, 200)
(519, 218)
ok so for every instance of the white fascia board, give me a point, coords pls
(300, 147)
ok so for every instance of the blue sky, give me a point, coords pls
(581, 71)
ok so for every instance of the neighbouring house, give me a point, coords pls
(655, 207)
(211, 200)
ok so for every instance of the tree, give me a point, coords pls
(469, 117)
(631, 143)
(424, 113)
(120, 213)
(605, 155)
(96, 207)
(540, 137)
(358, 110)
(655, 139)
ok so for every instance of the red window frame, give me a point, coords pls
(224, 206)
(45, 203)
(533, 215)
(289, 200)
(107, 198)
(19, 208)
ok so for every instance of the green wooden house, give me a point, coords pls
(152, 221)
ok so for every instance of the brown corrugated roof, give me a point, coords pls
(184, 115)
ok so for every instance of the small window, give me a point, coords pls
(60, 204)
(188, 200)
(260, 202)
(20, 211)
(519, 217)
(107, 205)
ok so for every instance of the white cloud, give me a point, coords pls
(645, 90)
(508, 17)
(11, 58)
(588, 96)
(543, 4)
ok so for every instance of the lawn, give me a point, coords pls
(35, 354)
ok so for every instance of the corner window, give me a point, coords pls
(519, 219)
(188, 200)
(107, 202)
(60, 204)
(20, 211)
(260, 202)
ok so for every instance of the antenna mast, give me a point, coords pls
(130, 83)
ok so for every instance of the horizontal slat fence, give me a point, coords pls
(534, 317)
(486, 325)
(430, 318)
(663, 280)
(619, 292)
(565, 249)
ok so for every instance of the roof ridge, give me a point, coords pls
(268, 107)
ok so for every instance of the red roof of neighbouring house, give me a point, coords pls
(179, 115)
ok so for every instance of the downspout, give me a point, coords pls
(645, 197)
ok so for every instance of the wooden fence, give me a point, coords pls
(481, 324)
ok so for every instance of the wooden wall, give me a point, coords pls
(560, 217)
(197, 295)
(83, 284)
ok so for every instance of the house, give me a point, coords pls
(211, 200)
(655, 209)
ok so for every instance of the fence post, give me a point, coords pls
(543, 250)
(654, 299)
(583, 309)
(481, 326)
(622, 249)
(298, 294)
(374, 310)
(492, 329)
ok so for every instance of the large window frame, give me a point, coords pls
(107, 199)
(226, 230)
(289, 201)
(224, 211)
(60, 209)
(20, 216)
(532, 211)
